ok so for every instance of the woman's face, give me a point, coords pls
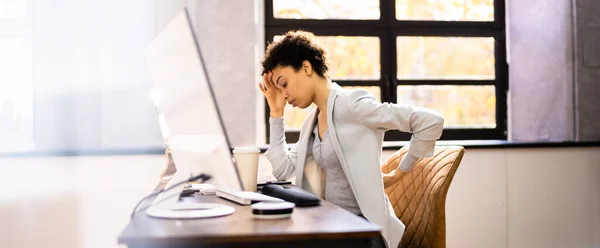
(295, 86)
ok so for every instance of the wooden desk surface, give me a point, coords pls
(325, 222)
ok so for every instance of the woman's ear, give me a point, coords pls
(307, 68)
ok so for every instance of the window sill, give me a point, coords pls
(85, 152)
(476, 144)
(395, 145)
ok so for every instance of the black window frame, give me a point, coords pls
(387, 28)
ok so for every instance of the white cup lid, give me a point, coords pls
(246, 149)
(273, 205)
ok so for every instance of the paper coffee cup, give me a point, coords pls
(246, 161)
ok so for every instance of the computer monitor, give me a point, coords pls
(192, 124)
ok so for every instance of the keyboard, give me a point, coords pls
(246, 197)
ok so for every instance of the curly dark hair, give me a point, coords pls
(292, 50)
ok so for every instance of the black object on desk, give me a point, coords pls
(291, 194)
(260, 185)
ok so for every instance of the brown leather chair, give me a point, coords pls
(419, 197)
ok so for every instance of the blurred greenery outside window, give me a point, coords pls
(446, 55)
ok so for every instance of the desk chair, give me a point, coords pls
(419, 197)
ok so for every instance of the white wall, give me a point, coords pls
(540, 40)
(553, 198)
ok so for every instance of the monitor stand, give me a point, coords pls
(169, 206)
(189, 210)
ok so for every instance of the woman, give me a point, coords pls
(343, 135)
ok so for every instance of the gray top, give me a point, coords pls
(337, 188)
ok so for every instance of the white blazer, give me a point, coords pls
(357, 123)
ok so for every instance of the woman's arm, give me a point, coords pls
(426, 125)
(282, 160)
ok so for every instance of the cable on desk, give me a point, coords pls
(202, 177)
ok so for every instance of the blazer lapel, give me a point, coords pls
(332, 131)
(303, 146)
(331, 126)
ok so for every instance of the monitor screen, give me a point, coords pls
(191, 121)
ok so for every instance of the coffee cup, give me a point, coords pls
(246, 161)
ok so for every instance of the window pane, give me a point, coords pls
(294, 117)
(350, 57)
(16, 95)
(445, 58)
(12, 9)
(454, 10)
(462, 106)
(326, 9)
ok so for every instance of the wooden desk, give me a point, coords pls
(322, 226)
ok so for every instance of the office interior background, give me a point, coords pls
(80, 142)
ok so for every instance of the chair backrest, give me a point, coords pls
(419, 197)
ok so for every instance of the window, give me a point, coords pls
(445, 55)
(16, 87)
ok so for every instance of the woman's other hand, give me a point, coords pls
(392, 178)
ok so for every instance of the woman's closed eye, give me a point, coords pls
(283, 84)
